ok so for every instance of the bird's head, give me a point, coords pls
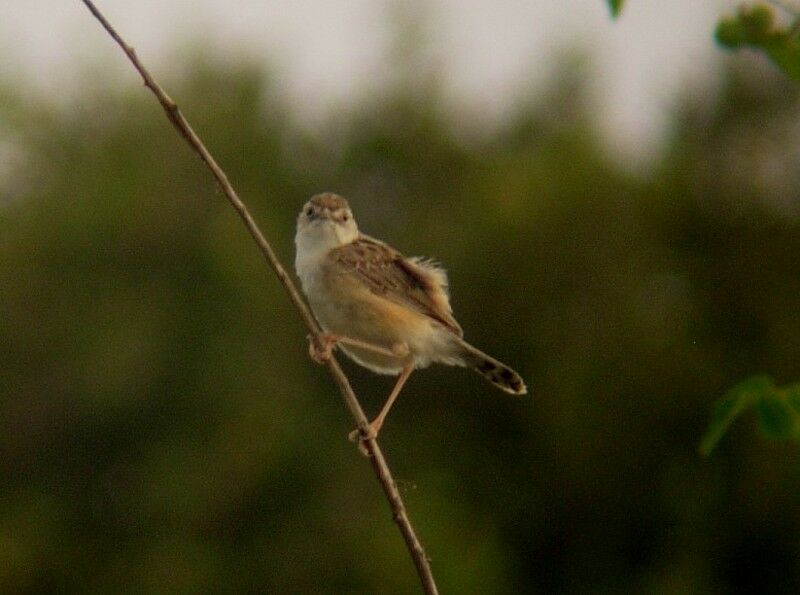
(325, 222)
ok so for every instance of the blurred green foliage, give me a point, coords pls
(778, 410)
(163, 430)
(755, 27)
(616, 7)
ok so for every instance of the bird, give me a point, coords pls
(389, 313)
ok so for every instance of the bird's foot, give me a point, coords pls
(357, 436)
(320, 347)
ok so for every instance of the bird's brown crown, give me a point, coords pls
(330, 201)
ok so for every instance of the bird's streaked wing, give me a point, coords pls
(414, 283)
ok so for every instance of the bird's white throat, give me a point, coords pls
(313, 242)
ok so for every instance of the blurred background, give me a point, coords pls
(618, 207)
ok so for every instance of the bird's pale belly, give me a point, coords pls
(378, 321)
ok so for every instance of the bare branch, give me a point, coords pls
(375, 454)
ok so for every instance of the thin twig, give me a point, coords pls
(379, 464)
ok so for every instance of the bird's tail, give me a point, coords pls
(494, 371)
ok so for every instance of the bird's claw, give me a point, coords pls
(360, 439)
(320, 348)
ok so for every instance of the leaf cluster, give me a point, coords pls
(757, 27)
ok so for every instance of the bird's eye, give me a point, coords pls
(309, 211)
(345, 217)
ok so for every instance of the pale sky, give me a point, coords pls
(328, 52)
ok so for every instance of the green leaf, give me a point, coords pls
(755, 27)
(775, 416)
(616, 7)
(740, 398)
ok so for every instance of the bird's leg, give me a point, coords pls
(320, 347)
(377, 423)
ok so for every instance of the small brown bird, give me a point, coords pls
(389, 313)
